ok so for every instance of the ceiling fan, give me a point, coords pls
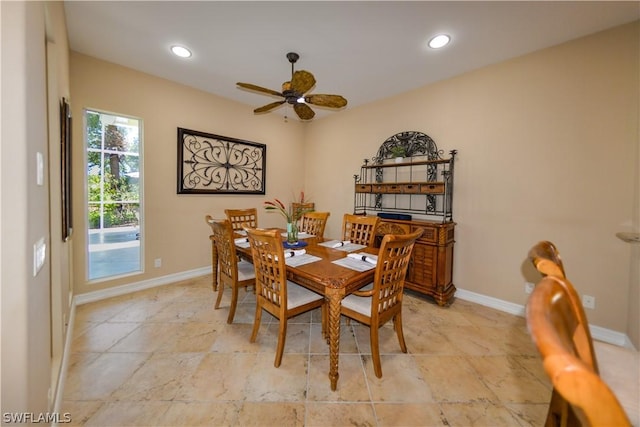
(294, 91)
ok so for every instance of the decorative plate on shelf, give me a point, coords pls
(298, 244)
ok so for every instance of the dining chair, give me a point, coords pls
(234, 273)
(214, 254)
(546, 259)
(275, 294)
(237, 217)
(561, 333)
(314, 223)
(360, 229)
(298, 209)
(377, 303)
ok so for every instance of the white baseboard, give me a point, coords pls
(139, 286)
(598, 333)
(64, 363)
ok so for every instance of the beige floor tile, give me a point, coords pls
(146, 338)
(192, 337)
(129, 414)
(529, 414)
(159, 378)
(80, 411)
(509, 380)
(453, 379)
(285, 383)
(320, 414)
(101, 376)
(409, 414)
(401, 380)
(200, 414)
(472, 414)
(218, 377)
(103, 336)
(352, 384)
(271, 414)
(319, 345)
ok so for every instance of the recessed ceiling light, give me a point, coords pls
(439, 41)
(181, 51)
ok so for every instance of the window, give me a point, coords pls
(114, 194)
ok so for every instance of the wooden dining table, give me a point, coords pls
(331, 280)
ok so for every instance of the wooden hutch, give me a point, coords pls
(420, 183)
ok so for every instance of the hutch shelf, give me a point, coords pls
(420, 183)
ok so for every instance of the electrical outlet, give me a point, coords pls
(589, 301)
(528, 287)
(157, 262)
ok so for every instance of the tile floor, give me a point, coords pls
(165, 357)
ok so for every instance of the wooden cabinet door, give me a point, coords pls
(422, 268)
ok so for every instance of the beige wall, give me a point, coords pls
(547, 151)
(28, 344)
(174, 226)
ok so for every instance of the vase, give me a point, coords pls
(292, 233)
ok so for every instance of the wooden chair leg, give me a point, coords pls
(256, 323)
(397, 325)
(220, 291)
(282, 336)
(375, 350)
(234, 303)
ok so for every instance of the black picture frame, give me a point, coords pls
(65, 169)
(215, 164)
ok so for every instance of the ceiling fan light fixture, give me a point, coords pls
(439, 41)
(301, 100)
(181, 51)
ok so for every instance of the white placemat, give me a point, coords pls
(298, 260)
(354, 264)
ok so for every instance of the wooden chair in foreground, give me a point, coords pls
(580, 397)
(360, 229)
(314, 223)
(374, 306)
(233, 273)
(239, 216)
(546, 259)
(274, 293)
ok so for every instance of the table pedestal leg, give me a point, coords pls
(334, 297)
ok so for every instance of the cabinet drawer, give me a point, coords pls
(435, 188)
(410, 188)
(387, 188)
(429, 234)
(363, 188)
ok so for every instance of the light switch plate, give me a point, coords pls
(39, 168)
(39, 255)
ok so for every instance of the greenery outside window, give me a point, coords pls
(114, 194)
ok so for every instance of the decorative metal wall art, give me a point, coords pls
(65, 168)
(214, 164)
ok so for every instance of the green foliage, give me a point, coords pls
(118, 189)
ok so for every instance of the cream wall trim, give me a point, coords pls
(598, 333)
(66, 352)
(139, 286)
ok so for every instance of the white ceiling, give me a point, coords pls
(364, 51)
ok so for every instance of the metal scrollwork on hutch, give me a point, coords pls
(420, 183)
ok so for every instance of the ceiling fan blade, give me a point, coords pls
(302, 81)
(331, 101)
(303, 111)
(268, 107)
(259, 89)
